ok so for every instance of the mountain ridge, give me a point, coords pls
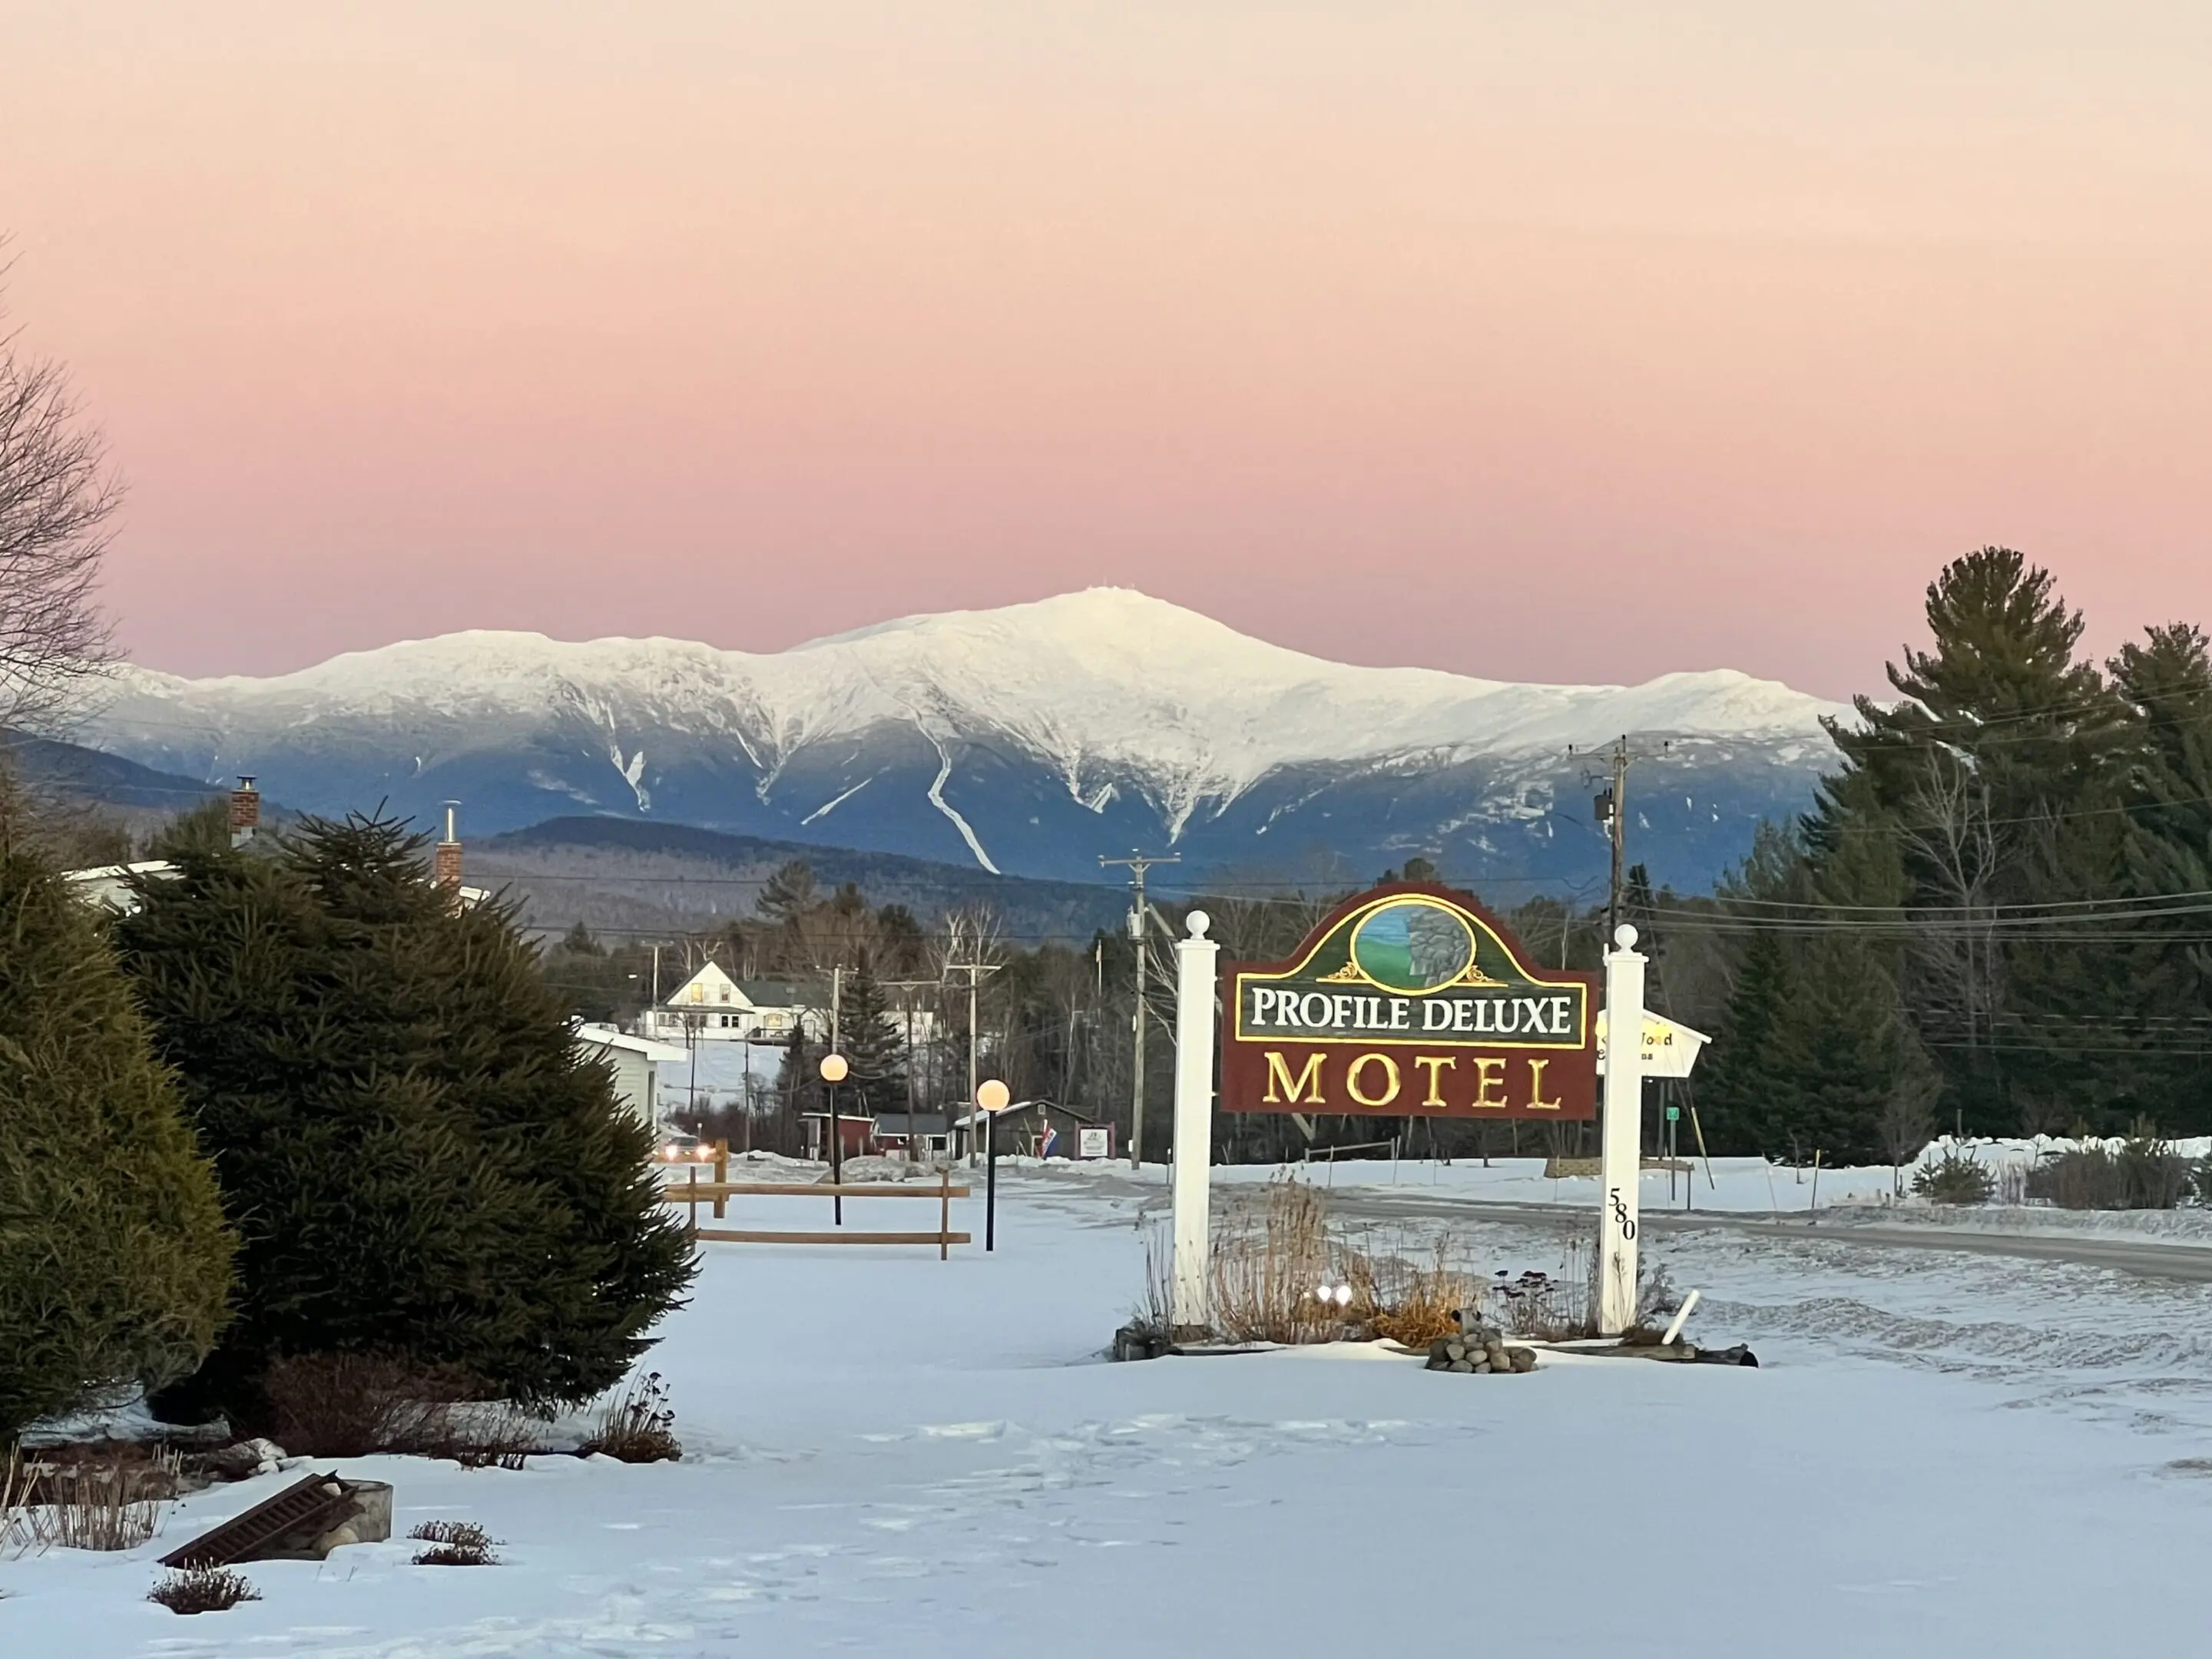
(1029, 739)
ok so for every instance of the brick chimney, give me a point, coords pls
(245, 812)
(448, 867)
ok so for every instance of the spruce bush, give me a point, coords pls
(1956, 1177)
(421, 1165)
(114, 1259)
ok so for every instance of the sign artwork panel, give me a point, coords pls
(1411, 1000)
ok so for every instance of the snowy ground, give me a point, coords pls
(714, 1073)
(1737, 1186)
(1940, 1455)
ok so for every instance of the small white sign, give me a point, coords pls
(1670, 1048)
(1093, 1143)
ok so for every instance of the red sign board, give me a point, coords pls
(1410, 1000)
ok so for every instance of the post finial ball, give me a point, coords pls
(1198, 922)
(1625, 936)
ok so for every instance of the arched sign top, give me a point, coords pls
(1411, 981)
(1412, 938)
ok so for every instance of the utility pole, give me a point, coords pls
(975, 971)
(906, 985)
(1611, 804)
(1616, 803)
(1136, 863)
(1612, 811)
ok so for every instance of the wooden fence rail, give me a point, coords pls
(695, 1193)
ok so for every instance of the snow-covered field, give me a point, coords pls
(1941, 1454)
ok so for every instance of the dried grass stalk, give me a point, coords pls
(1413, 1302)
(105, 1497)
(638, 1427)
(1265, 1272)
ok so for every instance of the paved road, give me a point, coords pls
(2190, 1262)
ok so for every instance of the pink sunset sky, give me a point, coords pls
(1557, 341)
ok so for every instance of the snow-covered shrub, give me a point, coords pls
(454, 1544)
(203, 1589)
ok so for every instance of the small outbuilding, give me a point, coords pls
(636, 1061)
(917, 1135)
(1041, 1129)
(857, 1130)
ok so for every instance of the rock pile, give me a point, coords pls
(1480, 1349)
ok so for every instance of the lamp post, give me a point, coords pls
(834, 1068)
(991, 1099)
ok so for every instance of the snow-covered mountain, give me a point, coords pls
(1029, 739)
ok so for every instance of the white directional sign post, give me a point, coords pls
(1196, 972)
(1620, 1136)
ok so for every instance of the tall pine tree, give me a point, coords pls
(1998, 769)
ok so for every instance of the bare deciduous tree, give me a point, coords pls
(1907, 1123)
(58, 498)
(1948, 832)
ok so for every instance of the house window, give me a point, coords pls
(698, 994)
(725, 993)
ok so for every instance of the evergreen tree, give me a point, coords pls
(114, 1260)
(1745, 1085)
(1815, 1053)
(874, 1045)
(787, 891)
(2168, 851)
(419, 1162)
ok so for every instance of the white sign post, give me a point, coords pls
(1620, 1139)
(1196, 972)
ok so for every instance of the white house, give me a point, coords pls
(109, 886)
(636, 1061)
(710, 1006)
